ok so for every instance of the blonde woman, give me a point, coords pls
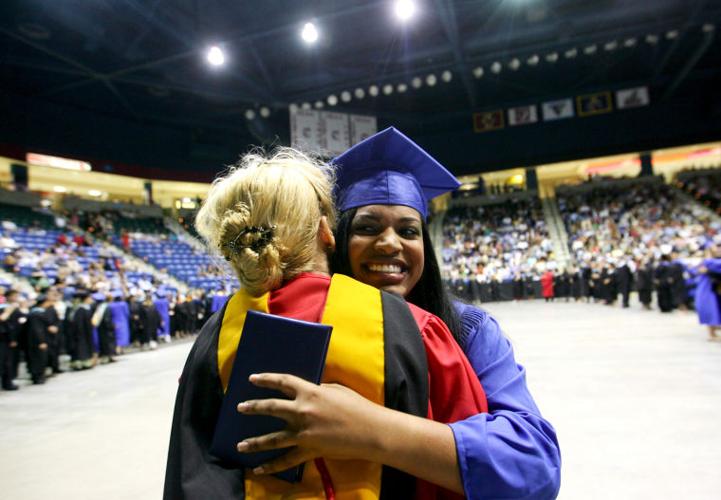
(272, 218)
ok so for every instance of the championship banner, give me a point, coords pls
(334, 133)
(594, 104)
(558, 110)
(362, 127)
(305, 130)
(487, 121)
(522, 115)
(632, 98)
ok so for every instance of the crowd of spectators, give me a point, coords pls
(704, 186)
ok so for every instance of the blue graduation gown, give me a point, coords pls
(163, 307)
(120, 315)
(706, 300)
(510, 452)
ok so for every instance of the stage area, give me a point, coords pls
(634, 395)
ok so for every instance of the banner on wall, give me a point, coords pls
(488, 120)
(594, 104)
(522, 115)
(362, 127)
(305, 129)
(334, 133)
(558, 110)
(328, 133)
(632, 98)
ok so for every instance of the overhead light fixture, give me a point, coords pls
(431, 80)
(404, 9)
(552, 57)
(446, 76)
(708, 28)
(309, 34)
(95, 192)
(533, 60)
(629, 42)
(293, 107)
(249, 114)
(514, 64)
(612, 45)
(496, 67)
(672, 34)
(345, 96)
(387, 89)
(416, 82)
(264, 111)
(306, 105)
(60, 189)
(332, 100)
(652, 39)
(215, 56)
(373, 90)
(478, 71)
(590, 49)
(319, 105)
(401, 88)
(571, 53)
(358, 92)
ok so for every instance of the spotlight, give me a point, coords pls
(387, 89)
(416, 83)
(60, 189)
(319, 105)
(264, 112)
(708, 28)
(446, 76)
(612, 45)
(652, 39)
(249, 114)
(215, 56)
(514, 64)
(293, 108)
(95, 192)
(629, 42)
(309, 34)
(496, 67)
(533, 60)
(478, 71)
(401, 88)
(571, 53)
(306, 105)
(672, 34)
(359, 93)
(332, 100)
(404, 9)
(345, 96)
(552, 57)
(590, 49)
(373, 90)
(431, 80)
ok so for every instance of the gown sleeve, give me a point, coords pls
(511, 451)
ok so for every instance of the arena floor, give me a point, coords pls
(634, 395)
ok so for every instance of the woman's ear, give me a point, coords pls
(325, 234)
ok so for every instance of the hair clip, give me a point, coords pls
(266, 234)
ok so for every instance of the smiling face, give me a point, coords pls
(386, 247)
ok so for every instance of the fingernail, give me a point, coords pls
(258, 470)
(253, 376)
(242, 446)
(242, 406)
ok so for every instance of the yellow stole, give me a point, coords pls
(355, 359)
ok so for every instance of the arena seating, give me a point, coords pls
(703, 185)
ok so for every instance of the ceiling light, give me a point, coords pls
(417, 82)
(708, 28)
(612, 45)
(345, 96)
(387, 89)
(95, 192)
(306, 105)
(402, 87)
(404, 9)
(215, 56)
(59, 189)
(293, 107)
(359, 93)
(309, 34)
(514, 64)
(332, 100)
(319, 105)
(552, 57)
(373, 90)
(264, 111)
(478, 71)
(496, 67)
(571, 53)
(629, 42)
(249, 114)
(431, 80)
(652, 39)
(446, 76)
(533, 60)
(590, 49)
(672, 34)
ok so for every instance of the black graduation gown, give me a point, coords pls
(106, 333)
(150, 322)
(624, 281)
(644, 284)
(9, 333)
(37, 334)
(54, 339)
(679, 292)
(81, 332)
(663, 288)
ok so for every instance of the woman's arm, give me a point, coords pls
(335, 422)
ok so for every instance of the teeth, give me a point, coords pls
(385, 268)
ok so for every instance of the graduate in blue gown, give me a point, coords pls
(706, 299)
(163, 307)
(120, 314)
(511, 451)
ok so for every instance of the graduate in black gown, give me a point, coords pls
(624, 281)
(103, 321)
(150, 321)
(12, 320)
(80, 332)
(644, 283)
(662, 281)
(53, 338)
(37, 339)
(679, 290)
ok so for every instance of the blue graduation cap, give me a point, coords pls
(390, 169)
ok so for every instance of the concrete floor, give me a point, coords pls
(634, 395)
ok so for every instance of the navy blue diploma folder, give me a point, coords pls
(268, 344)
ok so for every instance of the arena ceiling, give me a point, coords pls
(143, 61)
